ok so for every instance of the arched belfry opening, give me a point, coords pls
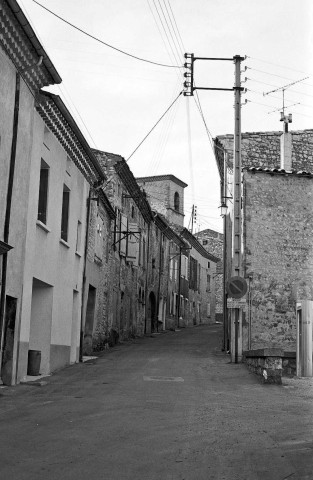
(176, 201)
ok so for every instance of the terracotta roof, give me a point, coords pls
(160, 178)
(23, 47)
(123, 171)
(165, 228)
(278, 171)
(183, 232)
(59, 120)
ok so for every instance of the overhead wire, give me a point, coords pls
(162, 37)
(104, 43)
(164, 137)
(165, 27)
(278, 76)
(165, 32)
(169, 31)
(177, 29)
(278, 65)
(151, 130)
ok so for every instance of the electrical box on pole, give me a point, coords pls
(188, 83)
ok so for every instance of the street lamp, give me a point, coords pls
(223, 208)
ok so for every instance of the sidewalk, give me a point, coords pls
(165, 407)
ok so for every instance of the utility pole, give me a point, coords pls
(237, 217)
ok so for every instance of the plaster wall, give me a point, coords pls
(48, 258)
(19, 205)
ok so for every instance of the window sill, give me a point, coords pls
(63, 242)
(43, 226)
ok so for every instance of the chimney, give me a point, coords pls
(286, 151)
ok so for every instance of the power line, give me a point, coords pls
(278, 65)
(275, 75)
(181, 41)
(104, 43)
(170, 31)
(155, 125)
(160, 32)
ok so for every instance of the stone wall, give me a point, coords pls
(213, 242)
(278, 254)
(160, 194)
(263, 149)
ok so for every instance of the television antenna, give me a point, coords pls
(283, 117)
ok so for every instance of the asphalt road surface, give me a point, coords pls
(165, 407)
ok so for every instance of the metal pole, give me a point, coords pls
(237, 171)
(236, 267)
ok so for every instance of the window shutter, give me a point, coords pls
(133, 244)
(123, 242)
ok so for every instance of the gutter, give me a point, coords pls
(30, 34)
(70, 120)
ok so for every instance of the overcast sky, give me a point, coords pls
(119, 98)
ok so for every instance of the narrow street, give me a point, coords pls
(166, 407)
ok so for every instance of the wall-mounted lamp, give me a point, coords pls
(223, 208)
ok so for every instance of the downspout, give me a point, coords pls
(179, 286)
(81, 339)
(147, 272)
(225, 320)
(6, 230)
(159, 280)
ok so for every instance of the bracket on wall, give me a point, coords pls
(126, 234)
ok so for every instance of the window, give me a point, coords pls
(184, 266)
(208, 283)
(46, 137)
(65, 213)
(171, 269)
(99, 238)
(68, 165)
(176, 201)
(78, 236)
(43, 192)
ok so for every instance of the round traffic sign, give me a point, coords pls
(237, 287)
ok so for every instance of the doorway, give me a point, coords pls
(40, 322)
(8, 340)
(152, 320)
(89, 322)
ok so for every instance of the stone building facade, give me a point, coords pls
(278, 254)
(131, 261)
(166, 195)
(277, 225)
(192, 269)
(213, 242)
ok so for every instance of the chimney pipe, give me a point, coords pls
(286, 151)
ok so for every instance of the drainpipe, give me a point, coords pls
(147, 272)
(159, 280)
(6, 230)
(179, 286)
(225, 320)
(81, 339)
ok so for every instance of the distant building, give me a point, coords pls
(213, 242)
(192, 267)
(166, 195)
